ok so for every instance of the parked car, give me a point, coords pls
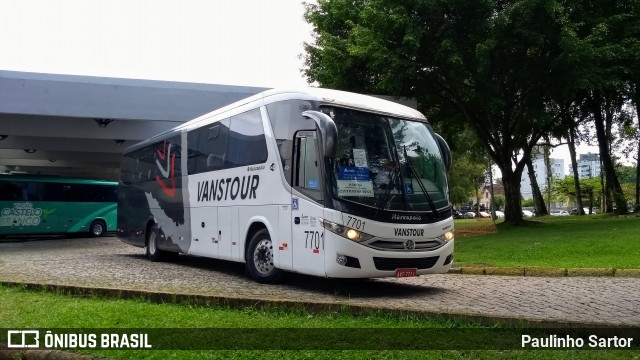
(469, 215)
(574, 211)
(484, 214)
(527, 213)
(559, 213)
(499, 214)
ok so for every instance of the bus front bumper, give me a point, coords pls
(347, 259)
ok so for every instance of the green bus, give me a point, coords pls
(31, 205)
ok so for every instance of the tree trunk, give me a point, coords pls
(603, 192)
(574, 167)
(511, 181)
(549, 177)
(637, 207)
(513, 204)
(538, 199)
(635, 98)
(478, 201)
(607, 162)
(492, 203)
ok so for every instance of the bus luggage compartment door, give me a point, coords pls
(204, 232)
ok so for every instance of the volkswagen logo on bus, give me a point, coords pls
(409, 245)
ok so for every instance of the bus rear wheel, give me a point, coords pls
(153, 253)
(97, 228)
(260, 259)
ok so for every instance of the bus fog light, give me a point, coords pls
(341, 259)
(448, 235)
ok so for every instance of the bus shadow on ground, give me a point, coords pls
(359, 288)
(342, 288)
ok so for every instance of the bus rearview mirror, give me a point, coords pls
(446, 152)
(328, 132)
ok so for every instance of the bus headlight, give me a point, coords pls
(347, 232)
(353, 234)
(448, 236)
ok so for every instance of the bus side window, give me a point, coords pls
(53, 192)
(215, 159)
(12, 191)
(286, 119)
(207, 147)
(247, 144)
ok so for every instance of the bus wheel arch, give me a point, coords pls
(259, 255)
(150, 224)
(97, 228)
(153, 253)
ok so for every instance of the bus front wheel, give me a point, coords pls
(260, 259)
(97, 228)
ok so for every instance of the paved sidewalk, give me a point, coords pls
(109, 263)
(543, 271)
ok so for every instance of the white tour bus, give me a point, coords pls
(318, 182)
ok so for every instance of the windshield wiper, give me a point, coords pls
(424, 190)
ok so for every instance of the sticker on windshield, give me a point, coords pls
(353, 173)
(408, 189)
(360, 158)
(355, 188)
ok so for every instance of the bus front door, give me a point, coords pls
(306, 210)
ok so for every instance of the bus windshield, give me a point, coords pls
(387, 163)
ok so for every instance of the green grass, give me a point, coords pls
(592, 241)
(37, 309)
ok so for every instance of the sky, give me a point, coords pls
(233, 42)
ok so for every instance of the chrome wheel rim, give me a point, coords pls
(97, 229)
(152, 243)
(263, 257)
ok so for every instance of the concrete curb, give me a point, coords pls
(544, 271)
(313, 307)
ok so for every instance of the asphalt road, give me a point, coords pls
(108, 263)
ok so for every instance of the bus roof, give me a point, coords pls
(325, 96)
(350, 100)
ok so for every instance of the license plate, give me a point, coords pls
(405, 272)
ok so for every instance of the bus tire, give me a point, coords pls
(153, 253)
(97, 228)
(260, 259)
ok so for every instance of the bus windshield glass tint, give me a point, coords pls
(387, 163)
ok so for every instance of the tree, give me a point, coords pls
(589, 190)
(602, 56)
(631, 46)
(538, 199)
(498, 202)
(468, 169)
(490, 61)
(466, 172)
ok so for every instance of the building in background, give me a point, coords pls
(589, 165)
(485, 198)
(540, 170)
